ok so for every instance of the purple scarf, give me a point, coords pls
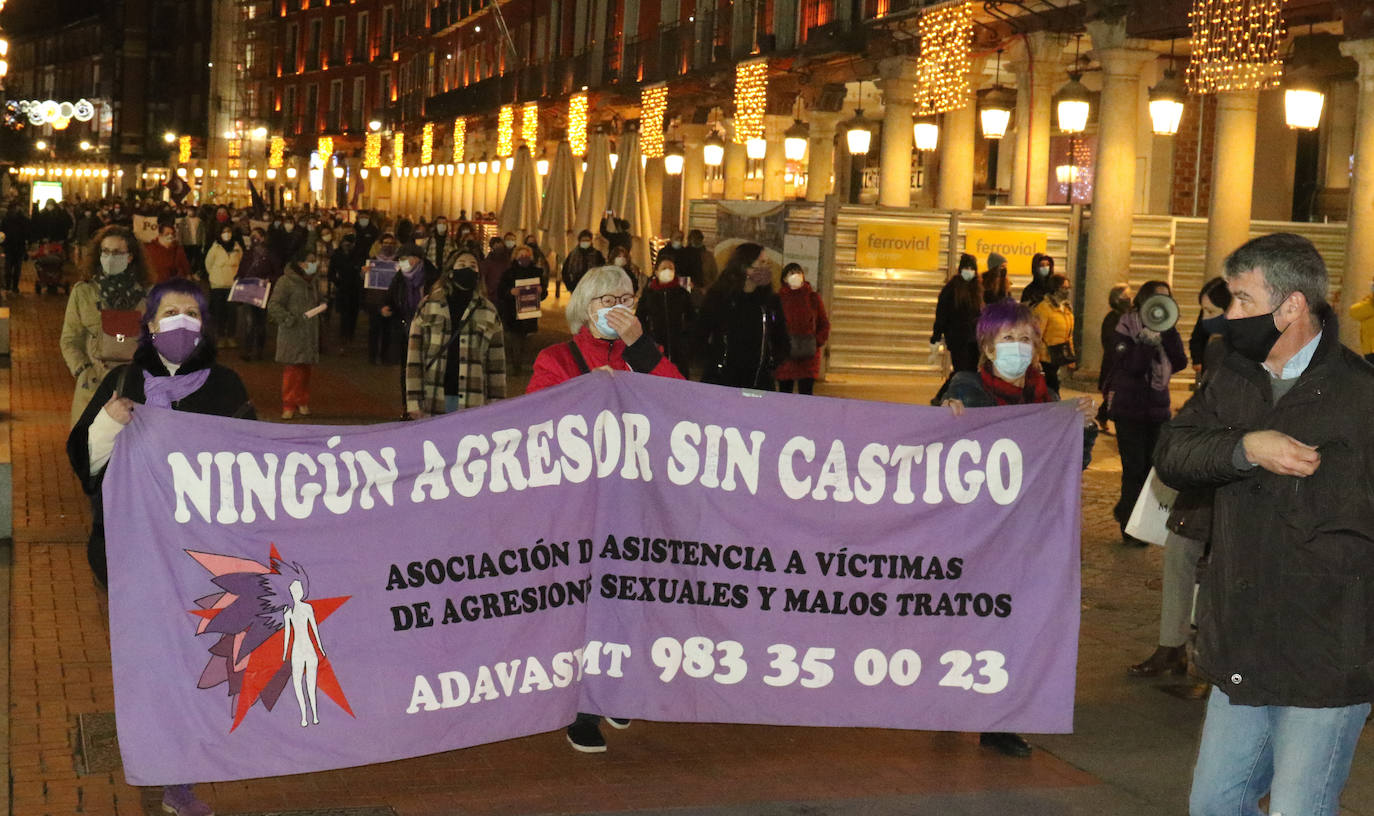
(161, 392)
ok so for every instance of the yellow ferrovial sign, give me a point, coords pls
(898, 246)
(1016, 246)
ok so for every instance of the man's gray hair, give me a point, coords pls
(1288, 262)
(603, 280)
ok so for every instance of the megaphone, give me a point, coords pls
(1159, 313)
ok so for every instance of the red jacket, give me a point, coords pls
(804, 313)
(166, 263)
(556, 364)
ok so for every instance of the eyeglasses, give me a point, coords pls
(608, 301)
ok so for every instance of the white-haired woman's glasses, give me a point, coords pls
(609, 301)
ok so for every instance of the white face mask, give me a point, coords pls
(510, 244)
(585, 244)
(1042, 271)
(620, 261)
(677, 244)
(226, 236)
(967, 274)
(666, 275)
(795, 280)
(403, 265)
(114, 264)
(362, 222)
(1012, 359)
(440, 228)
(309, 267)
(178, 321)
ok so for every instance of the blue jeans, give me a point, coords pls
(1299, 756)
(452, 402)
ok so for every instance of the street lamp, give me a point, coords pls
(794, 140)
(995, 110)
(375, 125)
(673, 158)
(926, 133)
(755, 148)
(290, 172)
(713, 152)
(1303, 98)
(40, 145)
(85, 145)
(858, 134)
(1074, 105)
(169, 137)
(1166, 105)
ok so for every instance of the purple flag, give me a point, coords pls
(289, 598)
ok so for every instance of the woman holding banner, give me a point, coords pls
(173, 367)
(606, 335)
(1008, 336)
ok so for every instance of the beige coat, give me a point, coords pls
(80, 343)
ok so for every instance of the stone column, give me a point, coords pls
(502, 182)
(1036, 74)
(957, 132)
(894, 167)
(820, 153)
(736, 166)
(465, 198)
(775, 160)
(493, 195)
(1233, 177)
(1109, 242)
(1359, 234)
(693, 166)
(653, 190)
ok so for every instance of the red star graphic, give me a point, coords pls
(265, 661)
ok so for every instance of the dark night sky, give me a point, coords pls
(20, 16)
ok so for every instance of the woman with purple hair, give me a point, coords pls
(1008, 374)
(173, 367)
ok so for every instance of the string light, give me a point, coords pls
(184, 150)
(325, 148)
(460, 139)
(505, 131)
(653, 102)
(1236, 45)
(942, 72)
(427, 143)
(372, 150)
(529, 124)
(398, 150)
(276, 151)
(751, 100)
(577, 124)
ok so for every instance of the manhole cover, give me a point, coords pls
(97, 745)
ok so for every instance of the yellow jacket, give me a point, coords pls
(1056, 325)
(1363, 311)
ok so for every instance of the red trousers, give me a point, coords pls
(295, 386)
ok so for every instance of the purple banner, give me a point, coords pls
(293, 598)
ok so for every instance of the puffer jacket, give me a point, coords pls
(1286, 610)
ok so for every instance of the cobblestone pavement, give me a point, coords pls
(1131, 753)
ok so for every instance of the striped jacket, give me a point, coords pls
(481, 348)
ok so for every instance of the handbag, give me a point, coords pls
(1061, 354)
(119, 330)
(1150, 517)
(801, 346)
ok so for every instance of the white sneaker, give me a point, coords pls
(303, 410)
(288, 414)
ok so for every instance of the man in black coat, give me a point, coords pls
(16, 229)
(1285, 616)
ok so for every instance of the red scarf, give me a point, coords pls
(1004, 393)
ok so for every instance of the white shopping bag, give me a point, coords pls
(1150, 516)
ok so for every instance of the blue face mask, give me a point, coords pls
(602, 326)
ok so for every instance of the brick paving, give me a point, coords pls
(1131, 752)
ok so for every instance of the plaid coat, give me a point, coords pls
(481, 347)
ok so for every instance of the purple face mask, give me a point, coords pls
(177, 337)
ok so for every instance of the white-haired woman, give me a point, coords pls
(606, 334)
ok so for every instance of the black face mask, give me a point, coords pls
(465, 278)
(1253, 337)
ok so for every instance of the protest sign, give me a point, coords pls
(527, 298)
(380, 274)
(291, 598)
(253, 291)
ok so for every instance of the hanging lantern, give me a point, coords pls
(995, 109)
(926, 133)
(756, 148)
(713, 152)
(673, 158)
(615, 160)
(1303, 98)
(1073, 105)
(541, 167)
(995, 112)
(858, 134)
(1066, 173)
(1166, 105)
(794, 141)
